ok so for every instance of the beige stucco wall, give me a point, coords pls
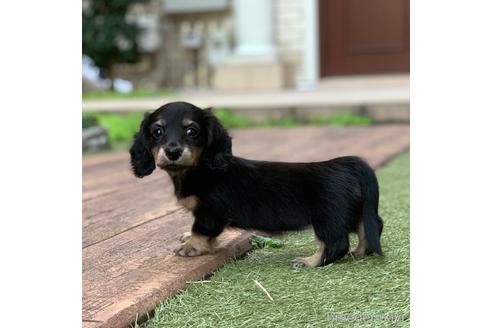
(288, 32)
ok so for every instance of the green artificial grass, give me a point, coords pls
(354, 292)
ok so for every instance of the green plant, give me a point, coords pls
(285, 122)
(346, 119)
(89, 121)
(121, 127)
(232, 120)
(262, 242)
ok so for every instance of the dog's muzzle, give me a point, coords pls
(173, 157)
(173, 154)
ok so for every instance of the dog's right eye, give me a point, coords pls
(157, 133)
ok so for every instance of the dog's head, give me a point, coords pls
(178, 136)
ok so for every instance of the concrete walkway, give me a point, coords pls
(131, 226)
(351, 92)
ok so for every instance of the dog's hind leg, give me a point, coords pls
(310, 261)
(334, 235)
(335, 249)
(334, 245)
(362, 246)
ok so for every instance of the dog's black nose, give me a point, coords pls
(173, 153)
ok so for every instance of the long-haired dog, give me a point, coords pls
(335, 197)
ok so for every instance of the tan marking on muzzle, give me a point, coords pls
(159, 155)
(187, 158)
(190, 156)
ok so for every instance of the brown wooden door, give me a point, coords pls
(364, 36)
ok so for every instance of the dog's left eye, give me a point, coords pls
(191, 132)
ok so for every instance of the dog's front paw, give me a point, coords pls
(185, 237)
(187, 250)
(195, 245)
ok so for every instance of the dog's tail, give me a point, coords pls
(373, 224)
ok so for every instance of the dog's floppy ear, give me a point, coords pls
(141, 157)
(218, 151)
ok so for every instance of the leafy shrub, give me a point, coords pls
(346, 119)
(285, 122)
(89, 121)
(232, 120)
(121, 127)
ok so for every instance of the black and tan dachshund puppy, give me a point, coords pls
(335, 197)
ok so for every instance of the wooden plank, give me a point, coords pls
(90, 323)
(132, 272)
